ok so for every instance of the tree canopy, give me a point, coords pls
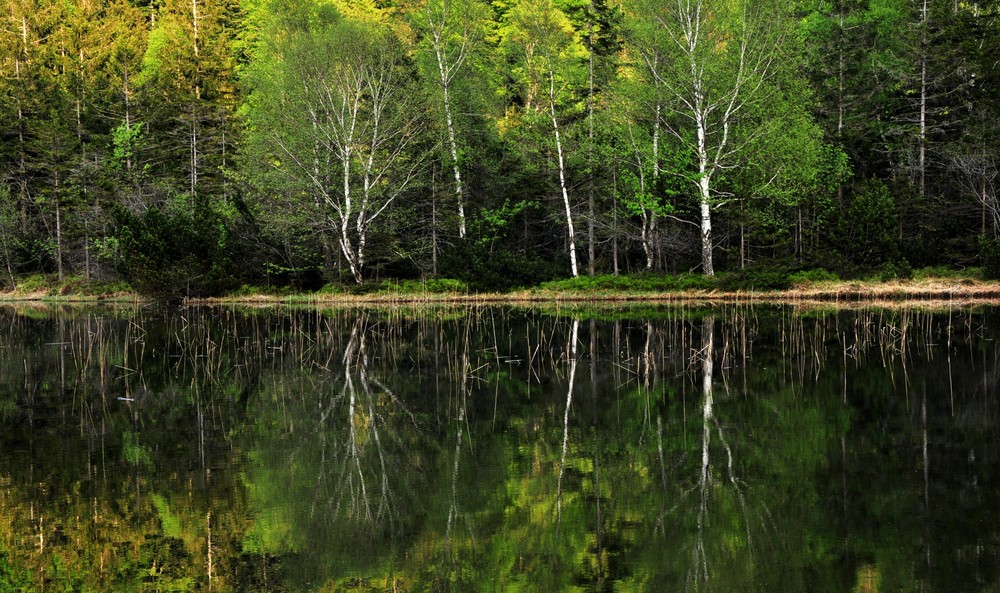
(500, 143)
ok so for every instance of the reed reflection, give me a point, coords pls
(443, 449)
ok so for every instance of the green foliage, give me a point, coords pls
(175, 253)
(330, 289)
(126, 140)
(494, 222)
(625, 284)
(756, 279)
(822, 163)
(35, 283)
(430, 285)
(492, 267)
(870, 226)
(814, 276)
(248, 290)
(638, 199)
(901, 270)
(989, 257)
(945, 272)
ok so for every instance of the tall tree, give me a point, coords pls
(718, 59)
(453, 31)
(333, 114)
(974, 158)
(188, 75)
(551, 70)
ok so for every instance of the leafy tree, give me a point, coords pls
(454, 31)
(333, 115)
(187, 76)
(718, 60)
(549, 71)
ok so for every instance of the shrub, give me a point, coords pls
(812, 277)
(749, 279)
(870, 224)
(990, 258)
(174, 254)
(483, 267)
(34, 283)
(625, 284)
(942, 272)
(696, 282)
(897, 271)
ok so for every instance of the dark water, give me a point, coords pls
(491, 449)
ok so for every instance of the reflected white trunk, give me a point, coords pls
(571, 350)
(699, 569)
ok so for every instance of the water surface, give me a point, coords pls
(495, 449)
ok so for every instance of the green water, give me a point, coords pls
(495, 449)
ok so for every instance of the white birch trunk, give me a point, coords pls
(452, 143)
(562, 177)
(704, 194)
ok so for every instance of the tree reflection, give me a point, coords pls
(727, 449)
(699, 572)
(341, 475)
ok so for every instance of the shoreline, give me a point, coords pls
(942, 292)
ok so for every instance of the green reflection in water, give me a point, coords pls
(488, 449)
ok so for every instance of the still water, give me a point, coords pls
(495, 449)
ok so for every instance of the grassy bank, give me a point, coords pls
(814, 285)
(47, 288)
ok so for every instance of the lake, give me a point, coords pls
(656, 448)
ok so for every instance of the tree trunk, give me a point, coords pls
(346, 246)
(923, 101)
(706, 227)
(704, 191)
(452, 143)
(59, 248)
(562, 176)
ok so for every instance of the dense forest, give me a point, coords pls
(193, 146)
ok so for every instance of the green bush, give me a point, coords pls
(172, 254)
(34, 283)
(989, 257)
(897, 271)
(750, 279)
(812, 277)
(625, 284)
(485, 267)
(696, 282)
(942, 272)
(869, 227)
(248, 290)
(601, 283)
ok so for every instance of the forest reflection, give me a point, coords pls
(489, 448)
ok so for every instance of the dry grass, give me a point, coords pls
(930, 292)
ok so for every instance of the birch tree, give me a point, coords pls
(453, 30)
(333, 112)
(717, 59)
(551, 57)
